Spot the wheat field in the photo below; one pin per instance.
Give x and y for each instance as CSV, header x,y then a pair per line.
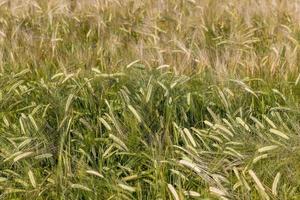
x,y
149,99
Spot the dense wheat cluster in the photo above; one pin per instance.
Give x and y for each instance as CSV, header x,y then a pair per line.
x,y
149,99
